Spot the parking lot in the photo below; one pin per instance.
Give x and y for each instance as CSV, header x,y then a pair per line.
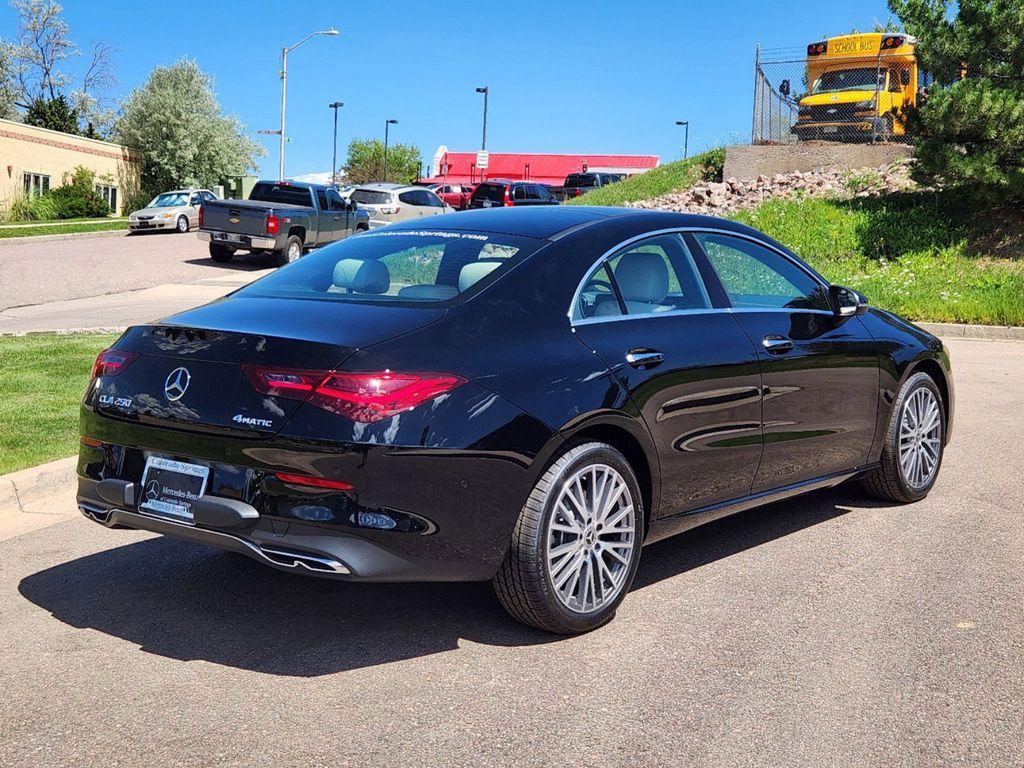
x,y
829,630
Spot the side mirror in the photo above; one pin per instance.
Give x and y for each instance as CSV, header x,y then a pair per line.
x,y
352,205
847,302
784,87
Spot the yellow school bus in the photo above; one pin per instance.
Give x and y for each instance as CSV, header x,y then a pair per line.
x,y
857,87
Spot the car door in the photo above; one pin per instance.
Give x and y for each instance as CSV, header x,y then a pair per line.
x,y
691,372
341,216
328,219
820,371
434,204
194,201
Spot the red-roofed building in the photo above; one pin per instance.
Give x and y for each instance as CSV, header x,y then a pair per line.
x,y
458,167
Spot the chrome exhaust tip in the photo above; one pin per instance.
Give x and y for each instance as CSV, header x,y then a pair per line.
x,y
95,512
315,563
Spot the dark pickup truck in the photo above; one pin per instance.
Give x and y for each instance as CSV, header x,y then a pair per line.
x,y
577,184
284,218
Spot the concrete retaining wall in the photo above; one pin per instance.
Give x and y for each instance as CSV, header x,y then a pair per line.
x,y
749,162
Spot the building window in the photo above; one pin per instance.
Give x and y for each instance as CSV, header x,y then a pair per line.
x,y
109,194
36,184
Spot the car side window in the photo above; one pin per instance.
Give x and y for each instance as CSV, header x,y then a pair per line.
x,y
433,200
409,198
321,199
652,276
757,277
334,201
519,193
195,200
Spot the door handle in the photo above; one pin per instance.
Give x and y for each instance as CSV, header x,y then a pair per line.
x,y
776,345
644,358
337,218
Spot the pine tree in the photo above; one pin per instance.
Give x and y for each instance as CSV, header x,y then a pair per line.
x,y
970,128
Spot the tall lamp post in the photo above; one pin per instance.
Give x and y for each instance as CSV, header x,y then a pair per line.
x,y
387,125
334,162
483,141
686,136
285,50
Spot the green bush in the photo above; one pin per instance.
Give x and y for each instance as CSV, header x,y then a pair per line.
x,y
77,199
76,203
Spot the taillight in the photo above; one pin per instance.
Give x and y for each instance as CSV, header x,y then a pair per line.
x,y
200,217
273,224
508,198
363,397
390,209
111,362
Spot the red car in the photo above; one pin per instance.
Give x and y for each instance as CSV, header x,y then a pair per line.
x,y
455,195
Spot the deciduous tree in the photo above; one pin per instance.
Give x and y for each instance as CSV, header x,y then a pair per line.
x,y
366,162
184,136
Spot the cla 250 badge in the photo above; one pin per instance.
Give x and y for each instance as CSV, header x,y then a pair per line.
x,y
251,422
117,402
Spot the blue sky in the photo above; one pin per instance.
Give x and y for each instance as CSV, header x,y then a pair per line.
x,y
566,76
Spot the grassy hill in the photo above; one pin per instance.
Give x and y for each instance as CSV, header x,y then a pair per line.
x,y
935,256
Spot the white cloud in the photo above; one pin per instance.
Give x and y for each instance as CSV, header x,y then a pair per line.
x,y
323,177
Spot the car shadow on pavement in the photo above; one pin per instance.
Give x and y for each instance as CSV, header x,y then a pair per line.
x,y
241,263
187,602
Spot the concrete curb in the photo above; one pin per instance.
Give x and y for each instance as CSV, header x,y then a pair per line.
x,y
66,236
957,331
32,490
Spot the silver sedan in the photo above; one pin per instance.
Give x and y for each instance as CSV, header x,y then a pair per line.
x,y
178,209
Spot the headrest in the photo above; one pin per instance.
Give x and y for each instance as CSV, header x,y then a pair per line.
x,y
642,276
362,275
476,271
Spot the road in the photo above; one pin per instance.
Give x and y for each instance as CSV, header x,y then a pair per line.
x,y
112,282
39,272
826,631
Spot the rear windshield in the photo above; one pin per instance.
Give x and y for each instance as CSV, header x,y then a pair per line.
x,y
274,193
383,266
581,180
371,197
495,192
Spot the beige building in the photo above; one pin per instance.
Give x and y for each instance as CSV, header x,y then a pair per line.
x,y
32,160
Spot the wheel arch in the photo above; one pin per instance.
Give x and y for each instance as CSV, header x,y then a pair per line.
x,y
299,232
938,374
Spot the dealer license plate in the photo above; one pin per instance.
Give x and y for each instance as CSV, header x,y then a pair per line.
x,y
170,488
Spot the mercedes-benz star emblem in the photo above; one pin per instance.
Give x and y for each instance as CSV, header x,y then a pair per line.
x,y
176,384
152,490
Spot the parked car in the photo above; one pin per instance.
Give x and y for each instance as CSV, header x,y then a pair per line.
x,y
454,399
498,193
387,203
577,184
177,209
455,195
284,218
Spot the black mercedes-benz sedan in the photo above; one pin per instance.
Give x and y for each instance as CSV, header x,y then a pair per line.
x,y
526,396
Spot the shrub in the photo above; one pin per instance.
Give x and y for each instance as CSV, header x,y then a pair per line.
x,y
78,197
38,208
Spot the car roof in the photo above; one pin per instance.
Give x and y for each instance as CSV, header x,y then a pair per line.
x,y
381,186
549,221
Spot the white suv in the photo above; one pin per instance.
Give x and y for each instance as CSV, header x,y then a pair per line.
x,y
388,203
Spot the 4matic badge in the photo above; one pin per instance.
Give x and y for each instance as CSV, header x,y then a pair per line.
x,y
251,422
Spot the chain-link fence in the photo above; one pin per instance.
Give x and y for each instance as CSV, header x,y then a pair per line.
x,y
798,97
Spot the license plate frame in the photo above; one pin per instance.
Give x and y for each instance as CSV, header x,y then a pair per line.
x,y
170,488
228,237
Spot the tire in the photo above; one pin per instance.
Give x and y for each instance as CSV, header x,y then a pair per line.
x,y
554,597
182,224
222,254
893,480
360,228
292,251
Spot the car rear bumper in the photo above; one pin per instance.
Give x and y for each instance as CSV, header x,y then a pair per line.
x,y
243,241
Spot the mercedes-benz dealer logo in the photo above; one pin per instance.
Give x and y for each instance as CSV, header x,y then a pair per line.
x,y
176,384
152,490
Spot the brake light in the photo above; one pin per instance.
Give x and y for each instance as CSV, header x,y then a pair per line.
x,y
508,198
201,216
390,209
363,397
111,362
273,224
313,482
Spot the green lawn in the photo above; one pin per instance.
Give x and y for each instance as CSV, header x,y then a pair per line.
x,y
62,229
925,255
42,378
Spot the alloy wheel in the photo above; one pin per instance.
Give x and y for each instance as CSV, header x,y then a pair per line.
x,y
294,251
591,538
920,438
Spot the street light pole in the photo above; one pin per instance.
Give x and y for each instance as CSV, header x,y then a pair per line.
x,y
334,162
686,136
285,50
484,90
387,125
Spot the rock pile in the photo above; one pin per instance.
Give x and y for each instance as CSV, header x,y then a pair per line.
x,y
725,197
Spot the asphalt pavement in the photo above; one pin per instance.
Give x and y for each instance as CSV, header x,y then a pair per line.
x,y
831,630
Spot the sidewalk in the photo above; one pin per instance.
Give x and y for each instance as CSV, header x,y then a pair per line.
x,y
118,310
